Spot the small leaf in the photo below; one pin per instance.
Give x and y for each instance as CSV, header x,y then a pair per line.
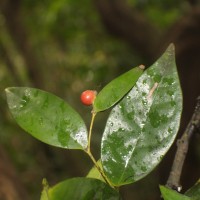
x,y
47,117
81,189
94,172
169,194
194,191
143,125
116,89
45,189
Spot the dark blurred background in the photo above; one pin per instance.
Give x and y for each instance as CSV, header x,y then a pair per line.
x,y
67,46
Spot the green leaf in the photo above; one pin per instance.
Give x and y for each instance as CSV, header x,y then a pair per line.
x,y
94,172
47,117
116,89
169,194
194,191
80,189
143,126
45,195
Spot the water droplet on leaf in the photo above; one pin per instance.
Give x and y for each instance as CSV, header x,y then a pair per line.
x,y
41,121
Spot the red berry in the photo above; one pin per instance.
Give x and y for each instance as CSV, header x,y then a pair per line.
x,y
88,96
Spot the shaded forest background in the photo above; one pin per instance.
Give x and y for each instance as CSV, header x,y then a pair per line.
x,y
67,46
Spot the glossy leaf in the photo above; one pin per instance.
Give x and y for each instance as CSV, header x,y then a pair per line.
x,y
194,191
116,89
94,172
143,126
80,189
47,117
169,194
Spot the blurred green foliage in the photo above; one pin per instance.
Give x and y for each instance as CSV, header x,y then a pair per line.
x,y
161,13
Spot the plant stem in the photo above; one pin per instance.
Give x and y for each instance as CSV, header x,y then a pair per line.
x,y
90,131
173,181
100,170
88,151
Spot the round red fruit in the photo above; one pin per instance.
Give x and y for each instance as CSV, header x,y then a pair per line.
x,y
88,96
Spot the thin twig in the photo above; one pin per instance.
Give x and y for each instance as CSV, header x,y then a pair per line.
x,y
90,131
100,170
173,181
88,151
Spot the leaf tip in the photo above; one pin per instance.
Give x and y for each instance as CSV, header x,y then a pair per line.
x,y
171,47
9,89
142,67
45,182
161,187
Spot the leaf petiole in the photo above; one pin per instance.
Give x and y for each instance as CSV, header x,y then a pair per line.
x,y
90,131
